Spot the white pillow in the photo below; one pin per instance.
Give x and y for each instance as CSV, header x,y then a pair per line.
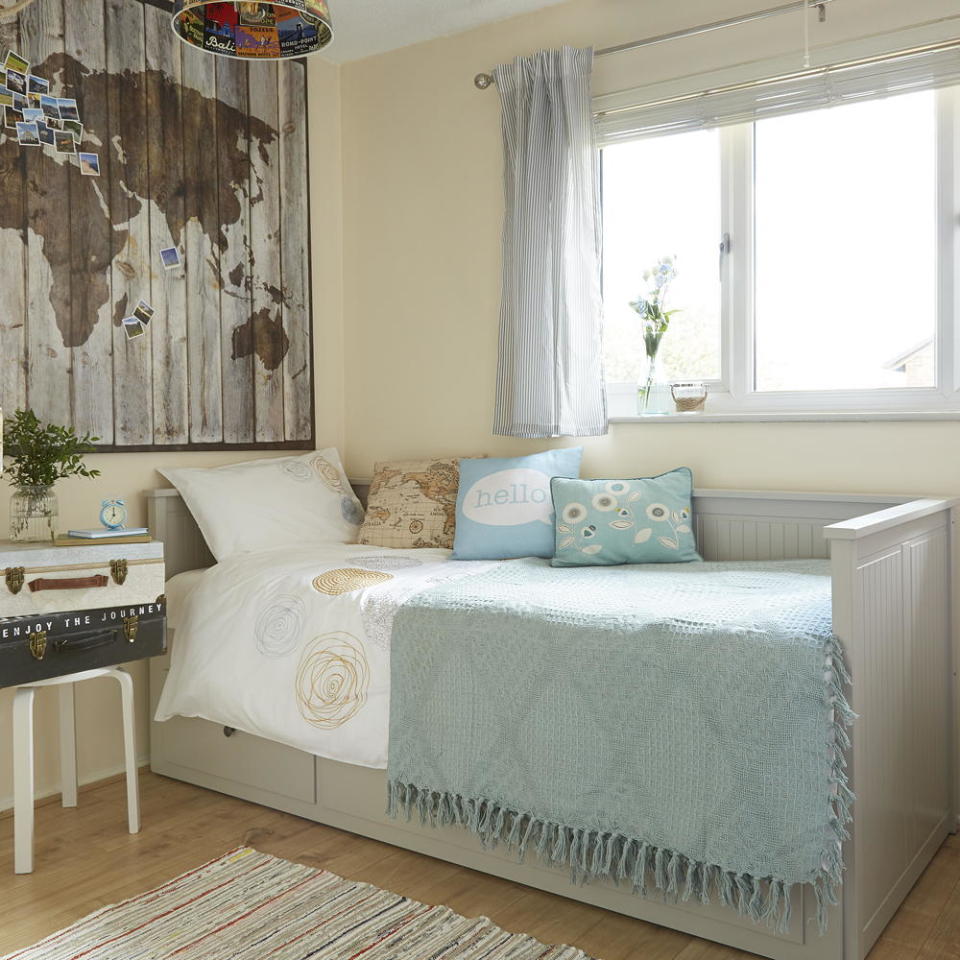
x,y
260,504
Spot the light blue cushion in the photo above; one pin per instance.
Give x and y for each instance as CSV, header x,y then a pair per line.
x,y
649,520
504,507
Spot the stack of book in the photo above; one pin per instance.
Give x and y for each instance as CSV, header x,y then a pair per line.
x,y
73,538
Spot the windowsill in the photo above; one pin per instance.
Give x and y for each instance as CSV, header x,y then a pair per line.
x,y
779,416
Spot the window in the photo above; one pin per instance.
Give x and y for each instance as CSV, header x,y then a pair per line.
x,y
814,255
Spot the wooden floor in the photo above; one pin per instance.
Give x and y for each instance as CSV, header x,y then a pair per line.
x,y
85,859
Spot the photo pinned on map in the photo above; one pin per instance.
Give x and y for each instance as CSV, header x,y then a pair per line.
x,y
27,134
89,164
37,86
17,82
46,133
15,62
50,107
64,142
132,327
144,312
74,127
170,258
68,109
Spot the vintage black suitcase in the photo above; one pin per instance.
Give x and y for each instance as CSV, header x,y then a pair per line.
x,y
49,645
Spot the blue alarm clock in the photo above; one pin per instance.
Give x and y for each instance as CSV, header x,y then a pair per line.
x,y
113,514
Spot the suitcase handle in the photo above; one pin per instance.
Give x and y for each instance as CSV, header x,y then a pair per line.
x,y
79,583
87,642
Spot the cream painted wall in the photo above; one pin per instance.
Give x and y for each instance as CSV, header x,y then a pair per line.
x,y
423,208
131,474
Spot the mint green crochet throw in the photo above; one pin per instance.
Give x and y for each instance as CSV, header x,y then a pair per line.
x,y
678,727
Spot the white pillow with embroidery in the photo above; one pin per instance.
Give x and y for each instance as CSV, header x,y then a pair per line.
x,y
261,504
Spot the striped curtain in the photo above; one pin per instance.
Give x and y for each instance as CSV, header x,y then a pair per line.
x,y
549,372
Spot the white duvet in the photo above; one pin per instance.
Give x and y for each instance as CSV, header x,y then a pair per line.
x,y
294,644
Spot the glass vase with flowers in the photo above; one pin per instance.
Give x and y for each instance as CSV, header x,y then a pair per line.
x,y
654,318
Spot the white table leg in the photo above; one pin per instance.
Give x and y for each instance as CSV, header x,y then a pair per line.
x,y
68,746
129,748
23,780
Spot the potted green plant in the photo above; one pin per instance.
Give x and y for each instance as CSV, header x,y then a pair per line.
x,y
39,455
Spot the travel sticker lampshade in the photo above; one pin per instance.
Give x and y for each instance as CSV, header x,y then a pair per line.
x,y
254,31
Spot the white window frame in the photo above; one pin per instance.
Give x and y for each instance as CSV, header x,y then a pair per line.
x,y
733,397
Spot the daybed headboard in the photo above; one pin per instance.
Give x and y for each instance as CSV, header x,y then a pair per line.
x,y
730,524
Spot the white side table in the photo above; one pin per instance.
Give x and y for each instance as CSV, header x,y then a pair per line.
x,y
23,787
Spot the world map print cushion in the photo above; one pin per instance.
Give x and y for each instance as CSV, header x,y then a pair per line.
x,y
412,503
606,522
504,508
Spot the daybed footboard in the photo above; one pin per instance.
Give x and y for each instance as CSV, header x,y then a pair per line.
x,y
892,610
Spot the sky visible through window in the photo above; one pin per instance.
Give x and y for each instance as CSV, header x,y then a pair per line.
x,y
845,216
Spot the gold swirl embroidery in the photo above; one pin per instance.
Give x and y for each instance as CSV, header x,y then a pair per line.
x,y
332,680
329,474
346,580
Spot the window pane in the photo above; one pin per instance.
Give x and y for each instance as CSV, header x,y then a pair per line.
x,y
661,197
846,247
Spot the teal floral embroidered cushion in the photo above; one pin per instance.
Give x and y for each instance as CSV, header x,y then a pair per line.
x,y
648,520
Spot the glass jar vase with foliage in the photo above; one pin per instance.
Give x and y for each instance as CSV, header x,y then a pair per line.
x,y
654,318
38,456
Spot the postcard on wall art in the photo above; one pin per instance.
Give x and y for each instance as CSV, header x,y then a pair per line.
x,y
28,135
46,134
20,102
64,142
50,107
17,82
6,97
11,117
74,127
68,110
132,327
89,164
15,62
170,258
33,115
144,311
37,85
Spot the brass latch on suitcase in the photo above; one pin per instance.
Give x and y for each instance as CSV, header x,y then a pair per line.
x,y
130,626
14,578
118,570
38,644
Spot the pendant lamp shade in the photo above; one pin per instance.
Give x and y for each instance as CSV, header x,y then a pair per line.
x,y
254,31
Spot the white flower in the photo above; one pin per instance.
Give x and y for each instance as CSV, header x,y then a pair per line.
x,y
618,486
657,511
605,502
574,513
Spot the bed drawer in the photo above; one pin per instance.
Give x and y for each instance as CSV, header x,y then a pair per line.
x,y
238,759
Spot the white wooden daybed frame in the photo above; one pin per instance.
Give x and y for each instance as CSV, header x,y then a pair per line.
x,y
891,568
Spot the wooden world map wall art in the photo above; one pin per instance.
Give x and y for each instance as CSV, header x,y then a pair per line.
x,y
201,153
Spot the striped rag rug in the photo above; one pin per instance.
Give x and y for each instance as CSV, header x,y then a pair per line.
x,y
250,906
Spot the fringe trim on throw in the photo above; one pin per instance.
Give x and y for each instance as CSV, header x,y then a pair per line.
x,y
592,854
